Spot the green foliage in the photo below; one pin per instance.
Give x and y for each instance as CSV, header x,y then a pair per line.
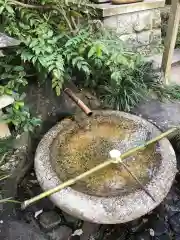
x,y
13,77
6,145
43,31
171,92
13,80
55,43
120,78
21,118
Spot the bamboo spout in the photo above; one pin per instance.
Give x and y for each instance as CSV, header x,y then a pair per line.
x,y
78,101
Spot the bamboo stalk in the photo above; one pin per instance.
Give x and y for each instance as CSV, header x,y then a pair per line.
x,y
95,169
141,147
65,184
137,180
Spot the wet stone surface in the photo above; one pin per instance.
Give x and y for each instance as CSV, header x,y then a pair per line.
x,y
43,221
60,233
49,220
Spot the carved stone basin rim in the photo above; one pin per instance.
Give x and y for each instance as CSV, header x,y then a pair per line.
x,y
106,210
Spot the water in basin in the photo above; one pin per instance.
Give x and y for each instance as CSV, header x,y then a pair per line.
x,y
85,146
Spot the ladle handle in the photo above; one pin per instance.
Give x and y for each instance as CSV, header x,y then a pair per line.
x,y
78,101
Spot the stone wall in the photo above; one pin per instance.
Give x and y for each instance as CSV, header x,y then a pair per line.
x,y
138,24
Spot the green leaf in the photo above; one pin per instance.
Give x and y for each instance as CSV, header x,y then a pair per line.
x,y
20,103
16,106
54,83
50,34
58,90
10,9
75,13
91,52
26,56
1,9
99,50
18,68
76,60
86,69
56,73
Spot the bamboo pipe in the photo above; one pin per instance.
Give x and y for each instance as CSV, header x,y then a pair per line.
x,y
72,181
78,101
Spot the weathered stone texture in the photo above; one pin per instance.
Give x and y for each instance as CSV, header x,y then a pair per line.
x,y
140,28
110,22
143,21
6,41
156,18
155,36
124,24
143,38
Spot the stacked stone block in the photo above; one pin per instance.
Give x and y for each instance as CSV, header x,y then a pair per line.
x,y
138,23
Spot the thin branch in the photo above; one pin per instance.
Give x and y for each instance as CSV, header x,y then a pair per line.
x,y
45,7
74,23
67,20
14,2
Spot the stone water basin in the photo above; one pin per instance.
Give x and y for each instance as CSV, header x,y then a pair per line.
x,y
111,195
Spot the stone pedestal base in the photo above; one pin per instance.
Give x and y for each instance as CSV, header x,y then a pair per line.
x,y
138,24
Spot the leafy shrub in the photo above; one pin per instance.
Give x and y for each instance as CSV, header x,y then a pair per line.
x,y
43,31
56,43
120,77
21,118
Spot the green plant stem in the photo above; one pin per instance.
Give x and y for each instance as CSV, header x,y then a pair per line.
x,y
46,7
4,177
9,199
67,20
14,2
141,147
65,184
93,170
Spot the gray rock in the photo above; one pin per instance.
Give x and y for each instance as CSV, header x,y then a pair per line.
x,y
137,225
163,114
76,237
70,220
177,237
143,236
114,232
61,233
6,41
172,209
16,230
89,229
175,223
51,108
22,141
13,160
159,227
164,237
49,220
